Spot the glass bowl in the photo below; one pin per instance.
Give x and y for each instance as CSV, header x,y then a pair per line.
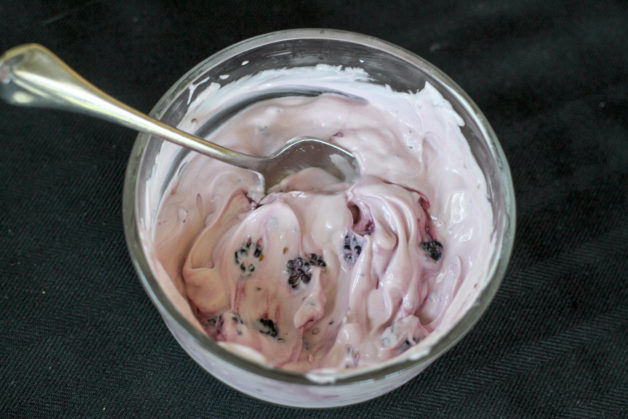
x,y
153,163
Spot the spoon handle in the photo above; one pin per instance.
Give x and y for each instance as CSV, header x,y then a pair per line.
x,y
31,75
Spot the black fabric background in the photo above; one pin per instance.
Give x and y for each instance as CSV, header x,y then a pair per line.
x,y
80,337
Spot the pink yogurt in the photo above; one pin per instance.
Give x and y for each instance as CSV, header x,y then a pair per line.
x,y
320,275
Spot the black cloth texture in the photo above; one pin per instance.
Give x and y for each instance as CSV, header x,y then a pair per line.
x,y
80,337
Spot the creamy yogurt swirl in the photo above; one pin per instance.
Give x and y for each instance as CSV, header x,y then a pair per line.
x,y
318,273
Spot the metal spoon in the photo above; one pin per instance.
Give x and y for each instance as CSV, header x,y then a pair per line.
x,y
31,75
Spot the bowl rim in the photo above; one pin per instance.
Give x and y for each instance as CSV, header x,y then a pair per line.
x,y
167,309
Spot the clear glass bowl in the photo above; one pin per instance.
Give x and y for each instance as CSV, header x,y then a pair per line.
x,y
145,184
